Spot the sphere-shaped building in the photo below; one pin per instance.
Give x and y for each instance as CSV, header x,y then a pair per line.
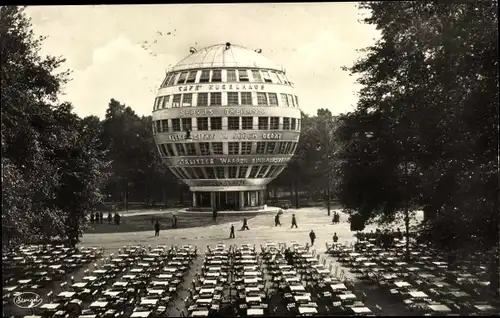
x,y
226,121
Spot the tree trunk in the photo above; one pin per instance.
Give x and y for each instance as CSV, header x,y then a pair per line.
x,y
296,194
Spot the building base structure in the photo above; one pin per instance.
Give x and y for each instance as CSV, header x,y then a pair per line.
x,y
228,200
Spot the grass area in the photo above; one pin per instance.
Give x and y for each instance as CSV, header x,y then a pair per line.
x,y
143,222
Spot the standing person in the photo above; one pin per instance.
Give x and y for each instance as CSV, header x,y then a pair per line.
x,y
312,236
335,238
214,215
117,218
92,218
101,217
174,221
157,228
294,222
110,218
245,225
277,219
231,234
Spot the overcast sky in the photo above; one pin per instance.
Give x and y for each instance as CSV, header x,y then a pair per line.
x,y
102,45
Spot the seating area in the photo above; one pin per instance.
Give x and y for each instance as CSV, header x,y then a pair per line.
x,y
423,284
241,280
37,268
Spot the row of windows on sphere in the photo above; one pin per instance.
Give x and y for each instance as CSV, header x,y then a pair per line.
x,y
225,99
233,123
233,148
225,76
238,172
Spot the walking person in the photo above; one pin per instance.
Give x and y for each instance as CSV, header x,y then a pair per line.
x,y
174,221
294,222
117,218
312,236
335,238
245,225
231,234
157,228
214,215
110,218
92,218
101,217
277,219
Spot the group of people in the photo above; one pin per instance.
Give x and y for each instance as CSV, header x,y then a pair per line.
x,y
277,220
382,239
336,218
157,224
98,218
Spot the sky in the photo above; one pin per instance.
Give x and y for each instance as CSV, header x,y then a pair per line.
x,y
104,47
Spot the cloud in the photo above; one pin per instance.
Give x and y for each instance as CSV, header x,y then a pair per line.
x,y
121,70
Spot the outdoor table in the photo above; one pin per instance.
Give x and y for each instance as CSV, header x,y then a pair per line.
x,y
346,296
214,268
298,288
288,273
137,314
255,312
165,276
292,279
251,274
368,264
439,308
311,260
209,282
120,284
24,281
50,306
136,270
361,310
484,307
307,310
99,304
402,284
41,273
256,299
418,294
199,313
55,266
307,255
459,294
66,294
100,271
112,293
90,278
170,269
323,271
284,267
160,283
79,285
204,300
156,291
250,281
302,298
340,286
147,301
127,277
252,289
10,288
212,274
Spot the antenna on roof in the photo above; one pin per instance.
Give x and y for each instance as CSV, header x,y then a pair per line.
x,y
192,50
228,45
258,50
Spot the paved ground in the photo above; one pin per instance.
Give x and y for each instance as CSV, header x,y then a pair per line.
x,y
262,230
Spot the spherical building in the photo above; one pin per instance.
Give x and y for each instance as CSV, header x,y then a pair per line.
x,y
226,122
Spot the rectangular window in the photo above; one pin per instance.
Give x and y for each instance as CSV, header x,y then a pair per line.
x,y
158,124
233,148
246,98
233,123
186,124
215,99
182,78
289,146
165,101
243,172
232,172
220,173
262,171
286,123
293,123
170,150
247,123
271,171
243,75
171,80
273,99
187,100
216,123
275,123
204,148
199,173
296,101
205,76
176,102
261,99
202,123
217,148
180,149
253,172
256,76
270,147
231,76
282,147
216,76
274,77
176,124
246,148
190,149
210,172
290,97
164,125
191,77
261,147
232,98
202,99
266,76
282,78
263,123
297,127
158,102
284,100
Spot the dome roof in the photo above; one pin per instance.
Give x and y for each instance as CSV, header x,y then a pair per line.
x,y
220,56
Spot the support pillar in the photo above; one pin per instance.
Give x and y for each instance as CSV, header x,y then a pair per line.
x,y
242,199
194,200
212,200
